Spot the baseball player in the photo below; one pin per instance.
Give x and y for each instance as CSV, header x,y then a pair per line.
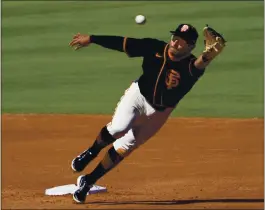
x,y
170,71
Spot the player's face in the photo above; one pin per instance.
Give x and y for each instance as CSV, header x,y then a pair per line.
x,y
179,47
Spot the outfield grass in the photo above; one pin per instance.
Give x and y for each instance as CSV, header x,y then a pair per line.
x,y
42,74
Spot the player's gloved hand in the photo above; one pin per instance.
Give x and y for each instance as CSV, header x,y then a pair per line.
x,y
214,43
80,41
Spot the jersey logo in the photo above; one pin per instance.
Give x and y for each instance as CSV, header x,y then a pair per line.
x,y
172,79
184,28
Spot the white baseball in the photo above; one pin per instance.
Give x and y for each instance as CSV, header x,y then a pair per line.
x,y
140,19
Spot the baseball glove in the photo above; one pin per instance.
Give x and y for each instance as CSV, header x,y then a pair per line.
x,y
214,43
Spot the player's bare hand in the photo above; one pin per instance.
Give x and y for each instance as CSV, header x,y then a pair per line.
x,y
79,41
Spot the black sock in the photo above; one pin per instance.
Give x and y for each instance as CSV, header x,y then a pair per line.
x,y
98,172
104,139
96,148
110,160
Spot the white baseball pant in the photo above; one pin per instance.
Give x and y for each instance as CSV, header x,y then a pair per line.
x,y
135,120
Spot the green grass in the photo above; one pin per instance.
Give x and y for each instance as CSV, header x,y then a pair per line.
x,y
42,74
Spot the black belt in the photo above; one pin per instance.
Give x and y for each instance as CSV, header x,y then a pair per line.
x,y
159,108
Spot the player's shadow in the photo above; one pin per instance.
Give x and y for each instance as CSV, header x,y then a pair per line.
x,y
179,202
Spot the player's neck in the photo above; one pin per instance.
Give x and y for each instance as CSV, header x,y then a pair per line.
x,y
177,58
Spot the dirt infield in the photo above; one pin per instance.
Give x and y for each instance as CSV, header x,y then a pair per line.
x,y
192,163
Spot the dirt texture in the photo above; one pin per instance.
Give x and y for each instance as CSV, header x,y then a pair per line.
x,y
192,163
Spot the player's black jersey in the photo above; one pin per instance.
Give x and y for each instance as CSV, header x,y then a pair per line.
x,y
164,82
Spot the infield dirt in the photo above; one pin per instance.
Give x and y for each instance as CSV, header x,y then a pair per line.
x,y
192,163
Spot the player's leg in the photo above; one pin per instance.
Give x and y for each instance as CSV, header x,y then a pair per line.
x,y
125,113
143,130
111,159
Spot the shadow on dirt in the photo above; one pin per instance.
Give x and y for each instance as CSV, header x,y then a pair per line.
x,y
179,202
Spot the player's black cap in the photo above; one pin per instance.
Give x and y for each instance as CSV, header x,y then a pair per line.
x,y
186,32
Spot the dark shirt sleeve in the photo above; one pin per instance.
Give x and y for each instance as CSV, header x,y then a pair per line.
x,y
110,42
139,47
195,72
133,47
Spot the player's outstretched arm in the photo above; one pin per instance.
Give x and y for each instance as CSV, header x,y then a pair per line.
x,y
131,46
111,42
214,45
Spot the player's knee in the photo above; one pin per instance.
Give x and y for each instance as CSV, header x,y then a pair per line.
x,y
123,149
121,152
117,131
106,136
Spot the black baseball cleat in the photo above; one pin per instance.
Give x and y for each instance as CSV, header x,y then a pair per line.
x,y
84,186
82,160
